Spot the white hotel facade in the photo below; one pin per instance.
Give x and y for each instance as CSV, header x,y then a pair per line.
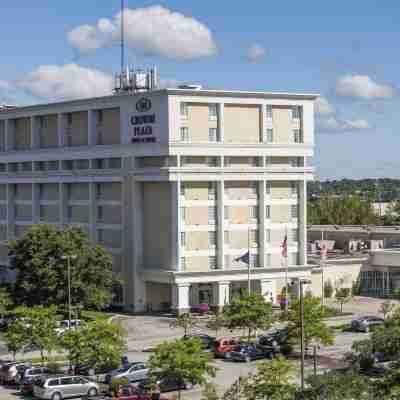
x,y
172,182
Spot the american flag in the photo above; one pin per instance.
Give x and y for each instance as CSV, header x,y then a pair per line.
x,y
245,258
284,246
324,251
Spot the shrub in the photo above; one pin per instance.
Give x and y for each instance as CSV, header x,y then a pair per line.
x,y
328,289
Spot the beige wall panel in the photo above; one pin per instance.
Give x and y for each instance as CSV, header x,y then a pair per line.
x,y
239,215
78,191
3,212
22,134
238,240
23,191
78,214
109,191
110,238
49,191
242,123
194,264
3,232
48,136
196,216
198,123
283,128
196,190
79,129
239,191
157,240
110,130
197,241
109,215
49,213
280,213
280,190
157,294
3,192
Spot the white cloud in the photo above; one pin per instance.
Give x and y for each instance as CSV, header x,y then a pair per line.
x,y
153,30
323,107
255,52
4,85
362,86
334,124
61,82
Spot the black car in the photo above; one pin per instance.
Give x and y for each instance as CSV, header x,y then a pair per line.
x,y
207,340
167,384
275,338
250,352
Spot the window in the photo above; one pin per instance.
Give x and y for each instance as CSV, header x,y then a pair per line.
x,y
211,190
182,190
212,262
297,136
268,235
69,119
68,164
100,117
254,189
184,109
267,212
114,163
254,212
183,214
184,133
226,212
293,189
66,381
52,165
254,238
268,188
296,112
212,239
212,112
53,382
212,215
295,235
81,164
42,122
183,239
268,111
212,135
253,161
294,211
183,263
226,237
254,260
269,135
212,161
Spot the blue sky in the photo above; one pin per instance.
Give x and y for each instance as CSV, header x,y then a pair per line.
x,y
344,50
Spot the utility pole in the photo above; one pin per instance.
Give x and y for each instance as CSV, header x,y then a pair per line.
x,y
248,264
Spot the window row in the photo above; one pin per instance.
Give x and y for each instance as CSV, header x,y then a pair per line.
x,y
297,136
212,111
295,112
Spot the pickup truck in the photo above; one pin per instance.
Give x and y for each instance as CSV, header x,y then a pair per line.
x,y
126,392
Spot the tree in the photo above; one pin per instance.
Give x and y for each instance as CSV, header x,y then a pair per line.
x,y
5,301
315,329
16,337
209,392
342,296
97,345
386,308
185,321
183,360
42,273
273,381
328,289
41,324
216,323
251,312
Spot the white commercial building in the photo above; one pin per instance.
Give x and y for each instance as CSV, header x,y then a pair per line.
x,y
177,184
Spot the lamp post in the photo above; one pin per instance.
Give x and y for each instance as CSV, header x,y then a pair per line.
x,y
69,258
301,283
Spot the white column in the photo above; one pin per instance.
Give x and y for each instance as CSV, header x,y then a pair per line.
x,y
176,225
221,122
268,289
92,125
180,297
221,224
302,222
261,223
61,129
34,133
221,294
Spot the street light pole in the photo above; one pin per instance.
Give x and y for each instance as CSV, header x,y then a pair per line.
x,y
302,335
68,258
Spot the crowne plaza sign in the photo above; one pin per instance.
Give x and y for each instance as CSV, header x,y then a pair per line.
x,y
142,124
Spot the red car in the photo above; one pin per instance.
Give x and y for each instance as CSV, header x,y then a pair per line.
x,y
223,347
129,392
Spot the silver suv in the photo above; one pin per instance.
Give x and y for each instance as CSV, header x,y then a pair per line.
x,y
62,387
133,372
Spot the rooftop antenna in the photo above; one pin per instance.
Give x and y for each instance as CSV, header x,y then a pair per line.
x,y
122,36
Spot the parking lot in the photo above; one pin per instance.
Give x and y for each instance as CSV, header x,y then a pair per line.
x,y
145,332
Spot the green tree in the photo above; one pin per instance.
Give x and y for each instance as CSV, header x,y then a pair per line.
x,y
273,381
16,337
98,344
185,321
250,312
328,289
216,323
42,273
315,329
209,392
342,296
386,308
183,360
41,325
5,301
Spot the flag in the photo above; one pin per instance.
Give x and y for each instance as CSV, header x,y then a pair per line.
x,y
284,247
245,258
324,251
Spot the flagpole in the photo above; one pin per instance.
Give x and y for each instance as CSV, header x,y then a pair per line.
x,y
286,272
248,264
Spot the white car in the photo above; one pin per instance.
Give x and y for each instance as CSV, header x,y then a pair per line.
x,y
64,325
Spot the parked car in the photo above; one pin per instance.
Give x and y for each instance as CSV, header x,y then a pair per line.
x,y
64,325
223,347
207,340
366,323
136,371
250,352
127,392
274,338
167,384
62,387
12,373
29,376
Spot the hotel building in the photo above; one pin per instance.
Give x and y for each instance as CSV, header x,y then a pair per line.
x,y
177,184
